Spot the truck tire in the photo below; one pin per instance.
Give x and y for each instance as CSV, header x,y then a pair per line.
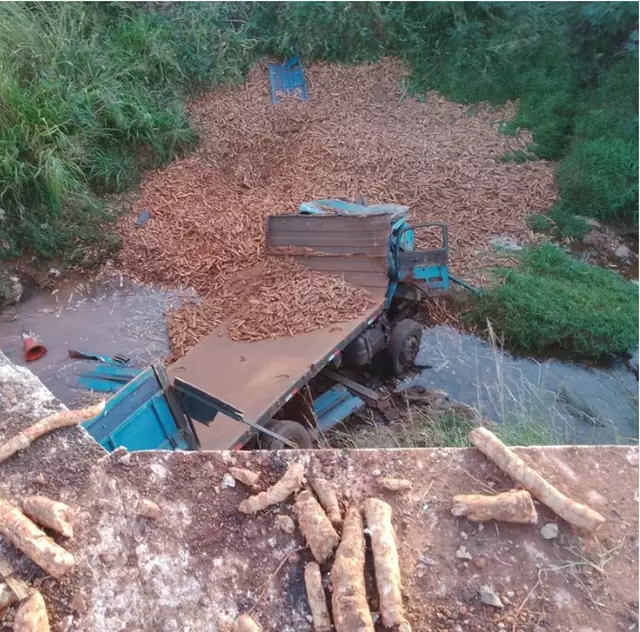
x,y
403,346
291,430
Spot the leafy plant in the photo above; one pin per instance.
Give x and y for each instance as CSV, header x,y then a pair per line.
x,y
554,303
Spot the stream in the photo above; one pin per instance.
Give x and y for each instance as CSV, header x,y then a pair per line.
x,y
575,403
109,317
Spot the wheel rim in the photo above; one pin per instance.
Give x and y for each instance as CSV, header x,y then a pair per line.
x,y
409,351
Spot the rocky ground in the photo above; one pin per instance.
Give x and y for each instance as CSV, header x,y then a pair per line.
x,y
199,562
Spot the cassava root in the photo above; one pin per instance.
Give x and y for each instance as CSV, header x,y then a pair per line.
x,y
386,565
350,608
246,477
508,507
289,483
32,615
317,598
49,513
244,623
508,461
48,424
26,536
316,527
328,499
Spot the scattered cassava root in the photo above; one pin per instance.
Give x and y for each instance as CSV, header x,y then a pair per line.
x,y
508,507
316,597
328,499
244,623
288,484
574,513
32,615
395,484
48,424
246,477
316,527
26,536
7,596
386,565
49,513
17,588
350,608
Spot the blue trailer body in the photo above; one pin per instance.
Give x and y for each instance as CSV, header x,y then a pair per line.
x,y
141,416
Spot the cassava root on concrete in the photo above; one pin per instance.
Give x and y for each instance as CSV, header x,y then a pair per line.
x,y
48,424
7,596
244,623
289,483
514,506
246,477
32,615
317,598
316,527
49,513
508,461
26,536
328,499
350,608
385,561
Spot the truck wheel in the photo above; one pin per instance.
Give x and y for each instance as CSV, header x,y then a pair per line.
x,y
291,430
403,346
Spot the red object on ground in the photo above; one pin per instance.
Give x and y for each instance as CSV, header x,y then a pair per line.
x,y
33,350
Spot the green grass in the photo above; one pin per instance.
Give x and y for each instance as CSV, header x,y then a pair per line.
x,y
93,94
426,429
90,95
551,303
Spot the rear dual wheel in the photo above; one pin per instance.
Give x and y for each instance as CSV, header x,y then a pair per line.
x,y
403,346
292,430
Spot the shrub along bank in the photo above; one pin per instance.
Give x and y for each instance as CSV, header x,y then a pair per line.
x,y
91,94
552,303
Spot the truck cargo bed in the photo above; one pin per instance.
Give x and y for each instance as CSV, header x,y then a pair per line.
x,y
258,377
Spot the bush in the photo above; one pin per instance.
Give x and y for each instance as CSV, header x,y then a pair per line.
x,y
553,303
559,224
92,94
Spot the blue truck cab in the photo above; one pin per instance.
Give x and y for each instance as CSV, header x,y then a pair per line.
x,y
151,413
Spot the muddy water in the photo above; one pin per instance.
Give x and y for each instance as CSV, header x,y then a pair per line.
x,y
576,403
116,316
580,405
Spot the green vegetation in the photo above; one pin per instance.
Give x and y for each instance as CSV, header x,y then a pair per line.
x,y
91,94
552,303
425,429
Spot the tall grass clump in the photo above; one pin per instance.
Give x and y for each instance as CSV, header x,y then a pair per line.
x,y
420,428
552,303
90,95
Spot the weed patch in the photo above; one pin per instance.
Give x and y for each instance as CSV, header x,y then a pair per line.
x,y
427,429
553,303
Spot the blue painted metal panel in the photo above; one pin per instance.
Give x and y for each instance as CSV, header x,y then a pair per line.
x,y
287,78
436,276
334,406
138,417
